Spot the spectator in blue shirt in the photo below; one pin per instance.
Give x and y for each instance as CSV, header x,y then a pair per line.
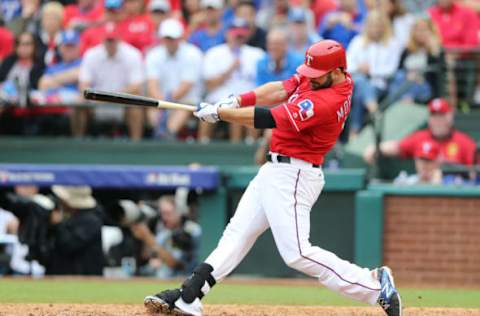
x,y
279,63
59,84
301,36
213,33
343,23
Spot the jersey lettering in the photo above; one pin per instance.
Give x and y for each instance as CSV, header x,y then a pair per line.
x,y
342,113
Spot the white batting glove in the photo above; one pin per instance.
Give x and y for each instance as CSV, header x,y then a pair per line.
x,y
207,112
230,103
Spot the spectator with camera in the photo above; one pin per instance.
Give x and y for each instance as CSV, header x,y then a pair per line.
x,y
174,246
75,237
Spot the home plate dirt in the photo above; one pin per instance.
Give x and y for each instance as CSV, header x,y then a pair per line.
x,y
216,310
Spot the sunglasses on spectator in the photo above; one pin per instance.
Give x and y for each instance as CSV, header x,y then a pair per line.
x,y
158,11
25,43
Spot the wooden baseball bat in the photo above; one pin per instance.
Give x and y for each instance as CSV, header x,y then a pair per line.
x,y
131,99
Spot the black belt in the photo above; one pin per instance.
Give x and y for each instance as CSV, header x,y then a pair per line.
x,y
285,159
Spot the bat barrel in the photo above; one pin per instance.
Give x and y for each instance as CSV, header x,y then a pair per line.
x,y
116,97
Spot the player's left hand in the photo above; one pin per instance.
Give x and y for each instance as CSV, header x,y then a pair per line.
x,y
231,102
207,112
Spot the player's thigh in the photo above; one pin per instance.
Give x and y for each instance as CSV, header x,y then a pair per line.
x,y
288,213
249,217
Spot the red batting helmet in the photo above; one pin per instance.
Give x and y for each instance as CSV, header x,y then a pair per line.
x,y
321,58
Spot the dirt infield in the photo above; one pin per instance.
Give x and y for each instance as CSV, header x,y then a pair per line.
x,y
217,310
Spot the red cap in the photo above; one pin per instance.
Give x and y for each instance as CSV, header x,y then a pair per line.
x,y
323,57
427,150
439,105
111,31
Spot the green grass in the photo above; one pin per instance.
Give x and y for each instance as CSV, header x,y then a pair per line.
x,y
132,292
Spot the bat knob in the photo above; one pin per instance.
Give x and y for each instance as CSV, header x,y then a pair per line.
x,y
89,94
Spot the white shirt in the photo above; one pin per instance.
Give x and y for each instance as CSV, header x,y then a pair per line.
x,y
217,61
402,26
382,59
112,74
170,71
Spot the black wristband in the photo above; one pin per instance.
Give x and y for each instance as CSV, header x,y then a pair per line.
x,y
263,118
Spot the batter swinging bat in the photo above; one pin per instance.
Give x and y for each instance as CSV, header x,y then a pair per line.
x,y
131,99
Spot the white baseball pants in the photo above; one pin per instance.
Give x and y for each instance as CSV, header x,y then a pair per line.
x,y
280,197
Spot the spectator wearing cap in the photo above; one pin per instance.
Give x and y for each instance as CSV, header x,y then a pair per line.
x,y
50,33
94,35
230,68
28,19
301,37
427,166
213,33
246,10
83,14
455,147
173,74
279,63
136,28
116,66
158,11
59,83
458,25
343,23
75,233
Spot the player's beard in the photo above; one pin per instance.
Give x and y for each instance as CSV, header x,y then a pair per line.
x,y
327,84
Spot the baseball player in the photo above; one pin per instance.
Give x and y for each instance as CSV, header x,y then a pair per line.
x,y
314,105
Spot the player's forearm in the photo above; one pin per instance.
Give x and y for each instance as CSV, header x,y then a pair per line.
x,y
271,93
243,116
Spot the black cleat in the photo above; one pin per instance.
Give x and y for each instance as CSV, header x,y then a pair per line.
x,y
163,303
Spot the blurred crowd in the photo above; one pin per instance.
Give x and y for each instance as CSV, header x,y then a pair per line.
x,y
67,231
192,50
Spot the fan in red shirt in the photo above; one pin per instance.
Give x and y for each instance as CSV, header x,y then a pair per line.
x,y
458,24
83,15
6,42
95,35
455,147
137,28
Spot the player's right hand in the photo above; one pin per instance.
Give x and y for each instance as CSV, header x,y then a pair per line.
x,y
230,103
207,112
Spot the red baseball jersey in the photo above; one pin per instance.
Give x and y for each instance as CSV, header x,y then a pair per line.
x,y
309,123
458,148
